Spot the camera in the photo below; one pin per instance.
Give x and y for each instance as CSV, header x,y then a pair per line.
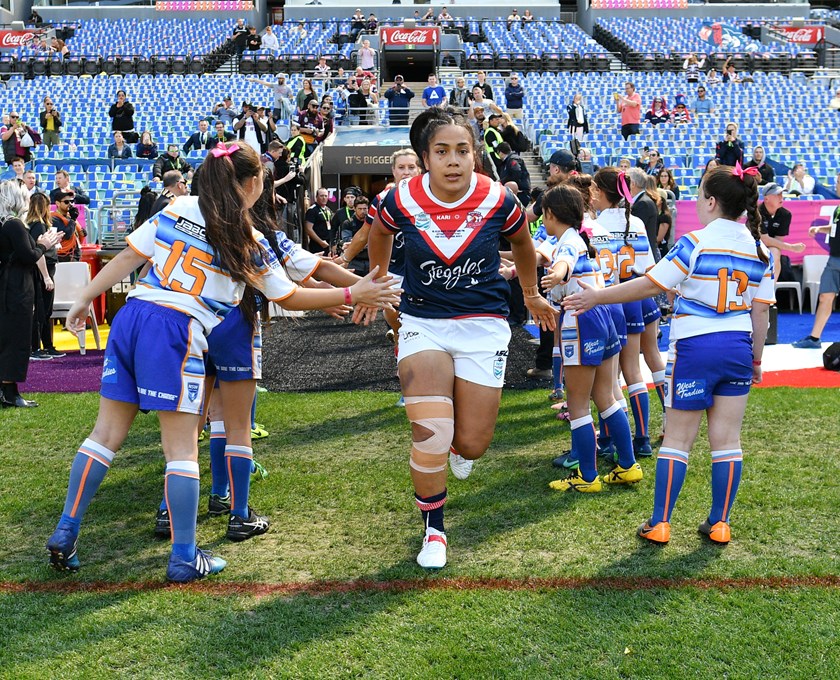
x,y
73,211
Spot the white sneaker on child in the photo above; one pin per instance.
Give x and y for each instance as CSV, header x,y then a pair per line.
x,y
433,553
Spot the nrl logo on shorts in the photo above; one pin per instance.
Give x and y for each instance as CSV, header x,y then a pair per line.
x,y
192,390
568,350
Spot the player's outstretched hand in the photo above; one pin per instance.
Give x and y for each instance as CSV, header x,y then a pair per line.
x,y
382,293
542,312
551,279
578,303
77,317
338,312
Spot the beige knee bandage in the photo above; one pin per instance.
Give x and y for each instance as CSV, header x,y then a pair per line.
x,y
437,415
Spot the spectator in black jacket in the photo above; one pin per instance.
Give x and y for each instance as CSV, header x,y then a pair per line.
x,y
578,121
730,149
359,264
63,186
201,140
514,94
174,185
122,114
239,35
759,160
253,41
513,174
644,207
171,160
50,124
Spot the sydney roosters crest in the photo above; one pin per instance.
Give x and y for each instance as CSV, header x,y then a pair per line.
x,y
474,220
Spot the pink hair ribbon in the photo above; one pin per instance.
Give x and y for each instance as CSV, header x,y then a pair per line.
x,y
739,172
222,149
623,187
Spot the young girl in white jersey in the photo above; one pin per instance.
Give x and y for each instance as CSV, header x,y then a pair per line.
x,y
724,290
203,252
453,337
588,344
609,188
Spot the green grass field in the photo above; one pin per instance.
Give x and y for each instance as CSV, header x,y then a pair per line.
x,y
766,606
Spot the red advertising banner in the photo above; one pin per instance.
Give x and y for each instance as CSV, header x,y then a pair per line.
x,y
10,40
427,35
806,35
805,214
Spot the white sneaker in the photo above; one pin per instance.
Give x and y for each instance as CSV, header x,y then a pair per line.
x,y
433,553
460,466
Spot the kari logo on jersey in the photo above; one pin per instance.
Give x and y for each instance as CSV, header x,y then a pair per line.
x,y
690,389
109,373
451,276
192,391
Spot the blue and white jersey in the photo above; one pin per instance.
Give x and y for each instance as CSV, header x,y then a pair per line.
x,y
571,249
186,274
632,258
718,275
397,263
452,249
300,264
605,249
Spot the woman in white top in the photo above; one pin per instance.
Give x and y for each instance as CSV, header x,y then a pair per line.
x,y
799,181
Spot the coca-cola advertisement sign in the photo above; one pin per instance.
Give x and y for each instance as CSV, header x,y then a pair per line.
x,y
427,35
10,40
805,35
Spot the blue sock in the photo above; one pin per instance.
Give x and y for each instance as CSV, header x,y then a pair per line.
x,y
726,476
671,466
181,489
163,505
254,412
583,445
659,384
557,368
239,459
604,438
640,405
86,474
218,471
615,420
431,508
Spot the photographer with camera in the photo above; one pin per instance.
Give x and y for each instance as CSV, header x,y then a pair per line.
x,y
399,99
730,149
64,219
18,139
251,127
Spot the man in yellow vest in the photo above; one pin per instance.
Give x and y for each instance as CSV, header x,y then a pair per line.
x,y
492,139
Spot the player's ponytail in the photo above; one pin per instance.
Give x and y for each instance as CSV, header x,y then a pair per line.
x,y
736,191
566,205
222,201
613,184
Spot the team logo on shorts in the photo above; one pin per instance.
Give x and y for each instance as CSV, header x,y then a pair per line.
x,y
109,373
569,350
499,364
665,389
690,389
593,347
192,390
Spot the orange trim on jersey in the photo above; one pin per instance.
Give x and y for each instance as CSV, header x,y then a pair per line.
x,y
309,275
656,283
297,288
766,302
143,255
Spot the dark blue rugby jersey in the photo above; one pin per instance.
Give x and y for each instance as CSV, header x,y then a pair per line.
x,y
452,250
397,263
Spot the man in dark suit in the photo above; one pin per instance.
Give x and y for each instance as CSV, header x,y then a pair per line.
x,y
644,207
201,140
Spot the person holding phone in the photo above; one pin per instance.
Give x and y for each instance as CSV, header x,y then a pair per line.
x,y
730,150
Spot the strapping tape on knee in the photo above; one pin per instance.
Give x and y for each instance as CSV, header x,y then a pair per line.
x,y
437,415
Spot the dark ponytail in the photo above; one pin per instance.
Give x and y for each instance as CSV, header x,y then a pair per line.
x,y
228,225
736,195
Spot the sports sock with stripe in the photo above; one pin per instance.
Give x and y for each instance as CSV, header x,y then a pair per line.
x,y
659,384
557,368
726,476
431,508
86,474
671,466
583,444
614,420
640,405
239,460
181,487
218,470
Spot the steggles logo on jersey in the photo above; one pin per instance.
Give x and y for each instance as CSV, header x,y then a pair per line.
x,y
450,276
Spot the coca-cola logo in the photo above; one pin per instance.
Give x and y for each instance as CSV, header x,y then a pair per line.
x,y
15,38
807,35
418,36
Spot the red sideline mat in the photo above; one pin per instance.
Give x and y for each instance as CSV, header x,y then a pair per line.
x,y
801,377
